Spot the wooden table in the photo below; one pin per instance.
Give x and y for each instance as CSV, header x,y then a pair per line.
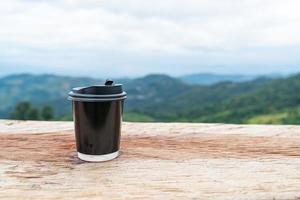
x,y
158,161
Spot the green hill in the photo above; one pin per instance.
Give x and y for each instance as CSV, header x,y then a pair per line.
x,y
40,90
210,79
164,98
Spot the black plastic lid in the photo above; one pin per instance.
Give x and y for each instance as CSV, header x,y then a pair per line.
x,y
107,92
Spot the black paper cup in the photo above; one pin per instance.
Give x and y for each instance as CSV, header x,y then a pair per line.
x,y
97,115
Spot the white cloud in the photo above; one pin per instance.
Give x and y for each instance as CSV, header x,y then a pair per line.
x,y
42,32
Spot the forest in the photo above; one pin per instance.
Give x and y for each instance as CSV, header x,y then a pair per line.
x,y
157,97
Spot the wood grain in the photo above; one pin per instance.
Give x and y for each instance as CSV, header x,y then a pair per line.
x,y
158,161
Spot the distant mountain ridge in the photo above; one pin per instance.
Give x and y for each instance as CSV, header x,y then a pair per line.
x,y
210,79
160,97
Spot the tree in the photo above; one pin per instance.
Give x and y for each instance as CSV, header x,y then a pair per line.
x,y
21,111
47,113
33,114
25,111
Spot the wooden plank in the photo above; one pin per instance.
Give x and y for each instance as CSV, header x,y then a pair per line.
x,y
158,161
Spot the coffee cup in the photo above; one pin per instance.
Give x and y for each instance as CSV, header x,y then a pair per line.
x,y
97,115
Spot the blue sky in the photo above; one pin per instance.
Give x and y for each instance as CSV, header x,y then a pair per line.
x,y
135,37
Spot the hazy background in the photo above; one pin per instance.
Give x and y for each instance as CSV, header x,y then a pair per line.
x,y
104,38
222,61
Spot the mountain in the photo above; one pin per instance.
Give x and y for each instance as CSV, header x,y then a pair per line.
x,y
163,98
40,90
278,100
152,89
52,90
210,79
259,101
198,101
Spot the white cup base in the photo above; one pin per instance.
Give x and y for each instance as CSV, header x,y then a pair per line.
x,y
97,158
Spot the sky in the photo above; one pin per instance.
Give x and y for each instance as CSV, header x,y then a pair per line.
x,y
110,38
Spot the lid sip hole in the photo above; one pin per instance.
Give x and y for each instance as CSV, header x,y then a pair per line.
x,y
109,82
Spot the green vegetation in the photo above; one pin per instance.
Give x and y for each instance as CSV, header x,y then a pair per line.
x,y
47,113
276,118
137,117
161,98
289,117
25,111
